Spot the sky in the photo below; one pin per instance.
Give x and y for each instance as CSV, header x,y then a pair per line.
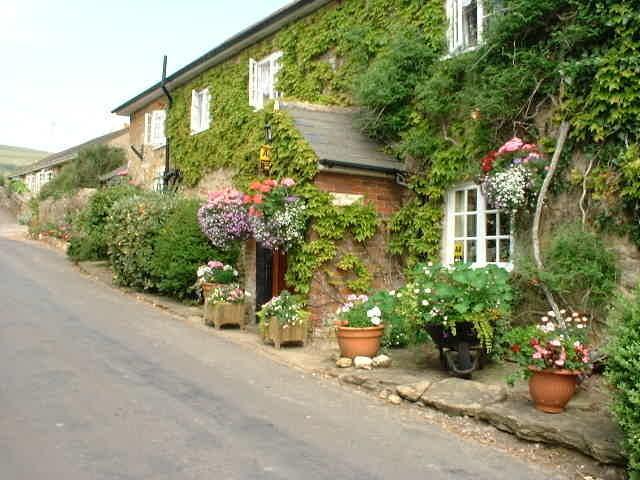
x,y
65,64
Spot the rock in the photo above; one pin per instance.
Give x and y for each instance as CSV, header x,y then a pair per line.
x,y
353,379
462,397
384,394
344,362
413,391
364,363
591,432
382,361
395,399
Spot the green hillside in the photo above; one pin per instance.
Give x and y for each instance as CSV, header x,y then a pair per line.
x,y
11,158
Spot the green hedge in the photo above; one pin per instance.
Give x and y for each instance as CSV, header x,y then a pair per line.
x,y
623,371
132,227
180,248
88,240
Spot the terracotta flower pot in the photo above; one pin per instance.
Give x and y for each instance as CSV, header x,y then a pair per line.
x,y
207,288
551,389
359,342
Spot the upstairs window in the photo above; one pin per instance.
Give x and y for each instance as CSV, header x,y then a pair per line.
x,y
262,80
200,117
466,21
476,233
154,128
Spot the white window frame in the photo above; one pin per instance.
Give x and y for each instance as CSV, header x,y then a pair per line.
x,y
263,76
200,110
481,238
457,38
154,128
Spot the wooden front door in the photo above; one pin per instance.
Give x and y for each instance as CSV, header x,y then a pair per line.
x,y
270,271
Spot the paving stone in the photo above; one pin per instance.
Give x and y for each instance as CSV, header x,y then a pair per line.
x,y
593,434
353,379
413,391
462,397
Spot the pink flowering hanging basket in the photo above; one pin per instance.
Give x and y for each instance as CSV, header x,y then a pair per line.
x,y
552,388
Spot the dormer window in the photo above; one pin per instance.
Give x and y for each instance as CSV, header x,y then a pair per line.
x,y
262,80
466,20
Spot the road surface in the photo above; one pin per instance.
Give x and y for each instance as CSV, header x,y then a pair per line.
x,y
94,385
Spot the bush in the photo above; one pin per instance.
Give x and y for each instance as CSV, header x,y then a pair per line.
x,y
623,371
17,186
180,248
88,241
579,267
133,225
84,171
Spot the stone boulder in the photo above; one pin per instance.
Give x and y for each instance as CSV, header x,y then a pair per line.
x,y
462,397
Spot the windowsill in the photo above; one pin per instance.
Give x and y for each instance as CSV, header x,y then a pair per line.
x,y
158,146
196,132
459,51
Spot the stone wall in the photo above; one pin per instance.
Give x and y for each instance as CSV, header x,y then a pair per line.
x,y
144,172
57,211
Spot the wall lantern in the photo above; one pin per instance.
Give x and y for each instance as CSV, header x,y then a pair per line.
x,y
265,150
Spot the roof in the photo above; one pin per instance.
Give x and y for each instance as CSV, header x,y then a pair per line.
x,y
68,154
247,37
334,137
121,171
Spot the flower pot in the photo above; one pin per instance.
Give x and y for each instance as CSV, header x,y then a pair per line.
x,y
207,288
219,314
279,334
359,342
551,389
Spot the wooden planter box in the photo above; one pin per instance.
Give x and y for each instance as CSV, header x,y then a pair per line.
x,y
286,333
220,314
207,288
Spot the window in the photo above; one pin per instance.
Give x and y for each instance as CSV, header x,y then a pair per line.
x,y
154,128
200,118
262,80
466,21
476,232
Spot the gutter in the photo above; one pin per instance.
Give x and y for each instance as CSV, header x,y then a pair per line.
x,y
359,166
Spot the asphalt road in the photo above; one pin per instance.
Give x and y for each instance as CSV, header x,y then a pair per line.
x,y
94,385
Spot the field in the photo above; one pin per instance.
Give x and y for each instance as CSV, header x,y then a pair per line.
x,y
12,158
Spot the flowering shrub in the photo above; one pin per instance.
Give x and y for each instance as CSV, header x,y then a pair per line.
x,y
278,217
451,295
227,294
551,344
359,311
224,218
216,272
286,309
512,174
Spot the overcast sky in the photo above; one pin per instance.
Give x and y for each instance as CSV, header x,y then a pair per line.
x,y
65,64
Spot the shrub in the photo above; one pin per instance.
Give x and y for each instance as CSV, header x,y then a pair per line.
x,y
88,241
84,171
180,248
580,268
17,186
623,371
3,180
132,227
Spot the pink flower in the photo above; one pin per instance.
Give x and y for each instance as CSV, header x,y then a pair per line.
x,y
559,363
537,356
270,182
512,145
287,182
215,264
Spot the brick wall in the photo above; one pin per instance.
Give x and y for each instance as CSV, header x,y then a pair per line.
x,y
144,172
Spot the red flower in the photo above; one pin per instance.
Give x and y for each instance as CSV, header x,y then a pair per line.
x,y
257,198
515,348
488,161
255,185
247,199
270,182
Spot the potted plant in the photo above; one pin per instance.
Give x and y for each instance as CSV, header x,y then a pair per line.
x,y
225,218
224,305
552,356
278,216
213,275
462,309
359,327
283,319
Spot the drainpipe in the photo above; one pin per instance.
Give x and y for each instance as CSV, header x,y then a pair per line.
x,y
167,143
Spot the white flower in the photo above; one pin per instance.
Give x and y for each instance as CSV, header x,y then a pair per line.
x,y
551,313
430,264
575,314
235,273
580,325
425,303
545,319
427,291
376,321
416,290
374,312
392,293
399,295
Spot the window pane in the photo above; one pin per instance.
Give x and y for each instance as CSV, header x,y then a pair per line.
x,y
459,228
471,225
471,251
505,250
472,200
458,251
459,201
505,224
491,224
492,254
